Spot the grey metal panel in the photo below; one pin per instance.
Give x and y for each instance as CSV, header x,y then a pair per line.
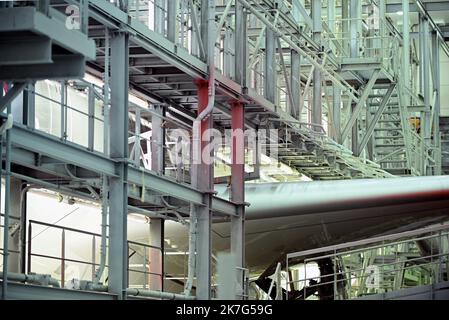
x,y
62,67
30,51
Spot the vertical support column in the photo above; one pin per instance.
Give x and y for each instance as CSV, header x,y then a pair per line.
x,y
382,28
157,140
368,119
156,255
270,80
355,10
355,132
172,15
157,225
295,80
345,24
331,15
317,28
241,54
336,111
118,249
425,116
238,193
421,47
159,16
29,106
296,68
63,110
15,238
437,105
203,180
91,122
7,212
405,44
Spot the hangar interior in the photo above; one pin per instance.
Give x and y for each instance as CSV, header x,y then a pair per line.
x,y
230,149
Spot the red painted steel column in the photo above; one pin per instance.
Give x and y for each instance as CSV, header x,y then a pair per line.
x,y
202,179
238,192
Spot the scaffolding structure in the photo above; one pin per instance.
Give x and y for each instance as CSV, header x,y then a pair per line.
x,y
348,94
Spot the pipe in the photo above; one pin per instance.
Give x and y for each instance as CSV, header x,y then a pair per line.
x,y
104,226
192,252
40,279
203,115
95,195
300,198
157,294
197,145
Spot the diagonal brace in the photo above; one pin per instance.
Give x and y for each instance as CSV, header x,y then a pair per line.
x,y
360,103
376,118
11,95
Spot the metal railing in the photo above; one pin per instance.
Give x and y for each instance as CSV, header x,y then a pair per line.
x,y
371,266
73,260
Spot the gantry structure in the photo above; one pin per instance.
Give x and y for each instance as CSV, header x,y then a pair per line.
x,y
348,93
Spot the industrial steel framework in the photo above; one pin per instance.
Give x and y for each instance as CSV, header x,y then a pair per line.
x,y
326,75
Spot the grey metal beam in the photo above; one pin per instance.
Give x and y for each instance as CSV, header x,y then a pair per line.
x,y
91,120
33,143
376,118
317,91
429,6
238,194
202,167
172,15
28,115
157,225
295,80
62,67
425,115
437,104
270,75
118,251
28,19
159,16
355,12
336,112
20,51
241,54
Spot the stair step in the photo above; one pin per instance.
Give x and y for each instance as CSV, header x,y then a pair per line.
x,y
388,129
398,171
387,112
390,145
388,137
392,161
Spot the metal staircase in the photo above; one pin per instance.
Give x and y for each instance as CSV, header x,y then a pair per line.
x,y
389,143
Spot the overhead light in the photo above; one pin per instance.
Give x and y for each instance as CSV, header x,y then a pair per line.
x,y
400,13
